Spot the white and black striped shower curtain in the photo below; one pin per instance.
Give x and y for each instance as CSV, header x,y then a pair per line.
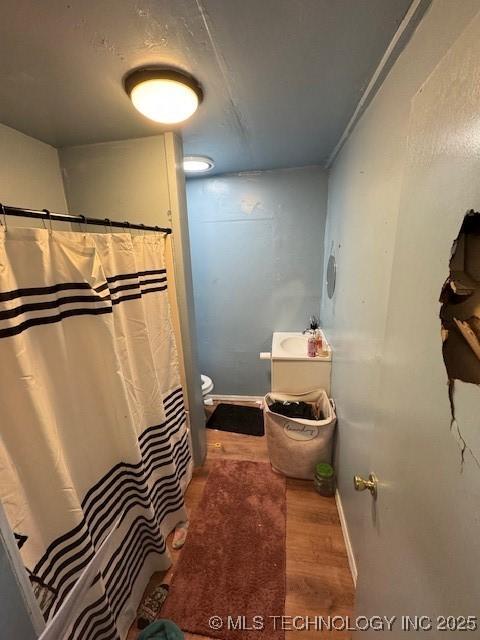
x,y
94,452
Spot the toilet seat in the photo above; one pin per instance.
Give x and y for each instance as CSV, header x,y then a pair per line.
x,y
207,384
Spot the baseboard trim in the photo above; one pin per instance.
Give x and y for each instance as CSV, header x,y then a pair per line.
x,y
346,536
227,398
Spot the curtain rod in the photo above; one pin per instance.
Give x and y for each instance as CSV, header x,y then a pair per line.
x,y
45,214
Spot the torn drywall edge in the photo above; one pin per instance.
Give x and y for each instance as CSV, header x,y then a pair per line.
x,y
460,315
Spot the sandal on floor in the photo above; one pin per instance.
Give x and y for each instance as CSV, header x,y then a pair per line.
x,y
180,535
150,608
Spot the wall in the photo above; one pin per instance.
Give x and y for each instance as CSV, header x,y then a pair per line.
x,y
125,180
257,258
29,177
13,612
141,180
397,195
184,284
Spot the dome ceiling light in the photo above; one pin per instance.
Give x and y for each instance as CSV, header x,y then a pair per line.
x,y
162,94
197,164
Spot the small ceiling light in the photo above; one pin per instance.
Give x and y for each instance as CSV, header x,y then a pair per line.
x,y
164,95
197,164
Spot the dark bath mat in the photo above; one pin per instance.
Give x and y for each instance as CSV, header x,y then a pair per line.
x,y
236,418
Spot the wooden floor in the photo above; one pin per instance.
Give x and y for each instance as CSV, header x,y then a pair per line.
x,y
319,582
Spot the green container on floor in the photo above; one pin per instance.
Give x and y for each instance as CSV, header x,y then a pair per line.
x,y
324,481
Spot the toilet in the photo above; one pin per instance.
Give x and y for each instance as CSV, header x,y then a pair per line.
x,y
207,385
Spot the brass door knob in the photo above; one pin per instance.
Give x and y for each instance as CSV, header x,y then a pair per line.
x,y
361,484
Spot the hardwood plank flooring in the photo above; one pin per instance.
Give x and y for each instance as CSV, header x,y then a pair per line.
x,y
319,582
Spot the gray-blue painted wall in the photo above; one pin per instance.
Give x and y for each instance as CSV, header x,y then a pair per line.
x,y
257,260
14,618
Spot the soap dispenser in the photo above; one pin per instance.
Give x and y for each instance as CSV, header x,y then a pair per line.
x,y
314,325
312,341
312,345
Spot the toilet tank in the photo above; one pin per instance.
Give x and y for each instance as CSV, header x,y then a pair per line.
x,y
292,370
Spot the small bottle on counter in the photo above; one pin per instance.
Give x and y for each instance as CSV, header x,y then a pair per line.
x,y
311,345
318,343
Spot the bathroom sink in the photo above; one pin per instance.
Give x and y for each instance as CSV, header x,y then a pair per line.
x,y
292,370
293,346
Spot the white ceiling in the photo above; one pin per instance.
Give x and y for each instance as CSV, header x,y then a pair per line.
x,y
281,77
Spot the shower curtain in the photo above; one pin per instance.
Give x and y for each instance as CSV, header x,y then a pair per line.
x,y
94,452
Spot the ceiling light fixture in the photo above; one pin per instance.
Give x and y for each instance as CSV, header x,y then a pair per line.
x,y
163,94
197,164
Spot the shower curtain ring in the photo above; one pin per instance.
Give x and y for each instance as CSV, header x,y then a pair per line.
x,y
109,222
49,220
143,228
84,222
4,216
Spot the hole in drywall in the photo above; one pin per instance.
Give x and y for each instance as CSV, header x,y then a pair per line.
x,y
460,314
460,310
